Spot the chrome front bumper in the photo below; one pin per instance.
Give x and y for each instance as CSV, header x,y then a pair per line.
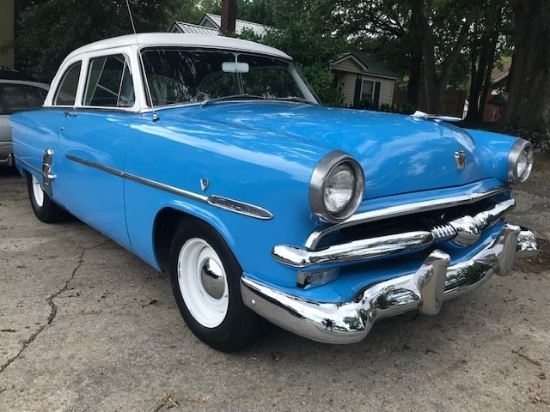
x,y
424,290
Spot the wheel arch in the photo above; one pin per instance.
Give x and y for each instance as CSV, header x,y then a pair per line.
x,y
166,222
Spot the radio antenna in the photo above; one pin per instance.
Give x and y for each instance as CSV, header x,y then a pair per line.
x,y
131,18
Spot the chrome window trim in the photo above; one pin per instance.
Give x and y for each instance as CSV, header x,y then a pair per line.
x,y
401,210
221,202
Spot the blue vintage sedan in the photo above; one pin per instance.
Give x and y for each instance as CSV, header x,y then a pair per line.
x,y
212,159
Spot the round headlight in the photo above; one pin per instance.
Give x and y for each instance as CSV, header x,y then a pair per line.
x,y
520,161
339,187
336,188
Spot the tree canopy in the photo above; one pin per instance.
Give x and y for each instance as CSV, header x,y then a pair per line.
x,y
48,30
433,45
528,110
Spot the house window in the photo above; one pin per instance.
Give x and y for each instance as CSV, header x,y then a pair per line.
x,y
367,91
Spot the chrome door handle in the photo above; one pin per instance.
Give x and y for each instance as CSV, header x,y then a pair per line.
x,y
70,114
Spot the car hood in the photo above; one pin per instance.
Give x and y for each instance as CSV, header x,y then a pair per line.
x,y
399,154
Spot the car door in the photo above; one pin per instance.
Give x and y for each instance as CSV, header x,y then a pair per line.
x,y
92,146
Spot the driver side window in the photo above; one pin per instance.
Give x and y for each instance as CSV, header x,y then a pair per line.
x,y
109,82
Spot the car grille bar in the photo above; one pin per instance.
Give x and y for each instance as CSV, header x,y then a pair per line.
x,y
463,230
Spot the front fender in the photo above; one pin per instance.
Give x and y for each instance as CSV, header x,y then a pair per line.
x,y
200,162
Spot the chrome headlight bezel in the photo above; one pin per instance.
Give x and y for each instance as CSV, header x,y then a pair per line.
x,y
319,179
520,153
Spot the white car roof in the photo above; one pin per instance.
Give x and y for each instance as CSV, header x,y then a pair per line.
x,y
179,39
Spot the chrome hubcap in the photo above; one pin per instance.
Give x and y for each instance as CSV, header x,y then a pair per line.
x,y
212,278
203,282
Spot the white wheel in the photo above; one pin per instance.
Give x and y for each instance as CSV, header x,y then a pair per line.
x,y
203,282
37,192
43,206
206,281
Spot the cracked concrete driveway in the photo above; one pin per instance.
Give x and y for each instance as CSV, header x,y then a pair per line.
x,y
85,325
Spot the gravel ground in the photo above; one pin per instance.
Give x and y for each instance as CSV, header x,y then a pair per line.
x,y
86,326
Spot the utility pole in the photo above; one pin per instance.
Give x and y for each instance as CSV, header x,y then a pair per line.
x,y
229,15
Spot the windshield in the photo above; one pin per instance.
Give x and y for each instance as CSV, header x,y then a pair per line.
x,y
178,75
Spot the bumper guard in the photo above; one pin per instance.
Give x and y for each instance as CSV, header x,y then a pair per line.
x,y
424,290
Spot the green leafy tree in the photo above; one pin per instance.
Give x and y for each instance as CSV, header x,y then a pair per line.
x,y
527,112
48,30
488,40
258,11
386,30
300,29
444,28
191,11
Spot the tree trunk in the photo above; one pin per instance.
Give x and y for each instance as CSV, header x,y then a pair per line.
x,y
487,82
415,62
415,74
527,113
481,76
475,63
436,85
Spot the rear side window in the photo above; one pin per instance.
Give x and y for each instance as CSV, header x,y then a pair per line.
x,y
109,82
18,97
66,92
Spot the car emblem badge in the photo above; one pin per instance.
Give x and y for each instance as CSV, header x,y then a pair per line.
x,y
460,159
204,184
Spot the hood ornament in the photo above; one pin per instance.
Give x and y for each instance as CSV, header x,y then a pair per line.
x,y
435,117
460,159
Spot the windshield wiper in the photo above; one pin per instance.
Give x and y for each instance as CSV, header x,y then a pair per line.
x,y
296,99
232,97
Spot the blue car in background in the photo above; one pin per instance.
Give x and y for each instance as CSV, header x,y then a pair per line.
x,y
212,159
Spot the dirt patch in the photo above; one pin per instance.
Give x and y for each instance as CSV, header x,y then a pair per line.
x,y
538,184
539,181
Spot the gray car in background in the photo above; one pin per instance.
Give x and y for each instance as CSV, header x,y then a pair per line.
x,y
16,96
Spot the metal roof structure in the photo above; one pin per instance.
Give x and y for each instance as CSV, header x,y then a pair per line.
x,y
183,27
214,21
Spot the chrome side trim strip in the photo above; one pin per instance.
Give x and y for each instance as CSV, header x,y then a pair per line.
x,y
95,165
167,188
465,230
28,165
401,210
425,289
240,207
231,205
